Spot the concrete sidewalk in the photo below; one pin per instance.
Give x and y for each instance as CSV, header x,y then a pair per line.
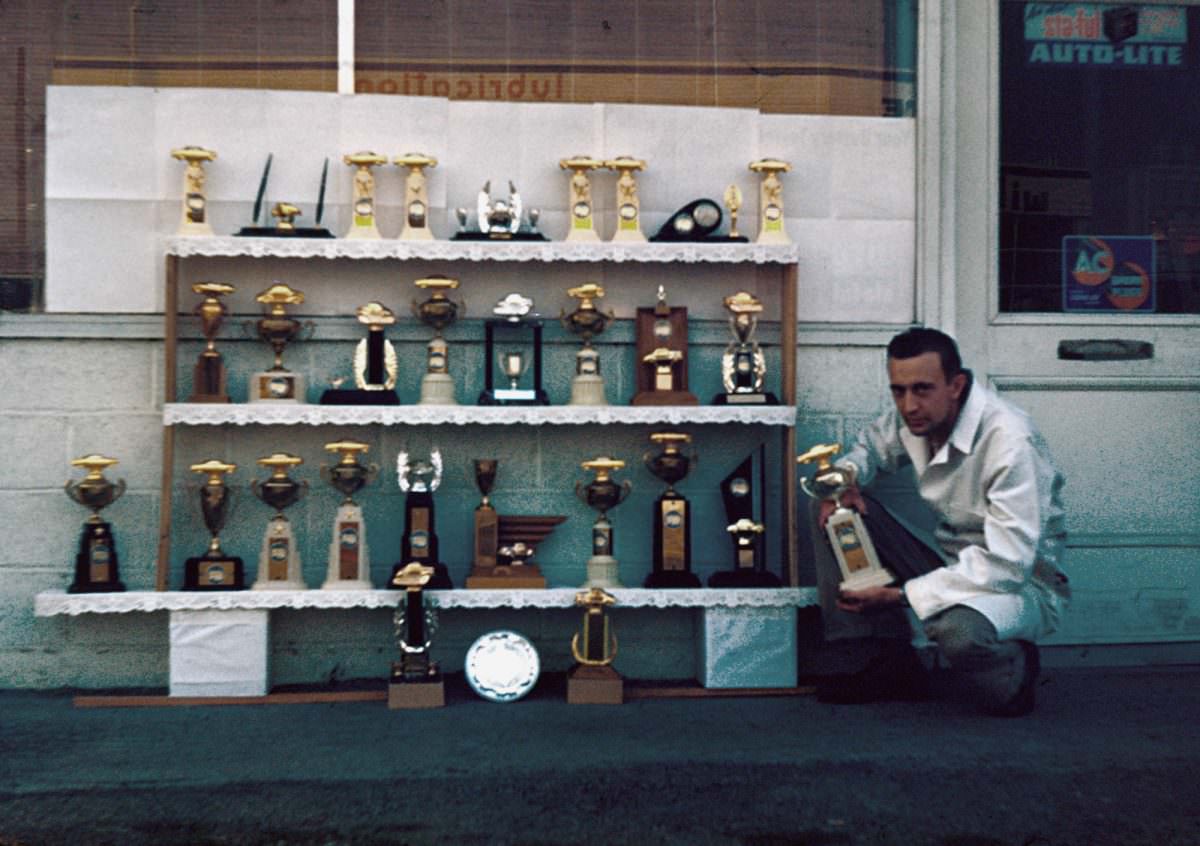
x,y
1109,756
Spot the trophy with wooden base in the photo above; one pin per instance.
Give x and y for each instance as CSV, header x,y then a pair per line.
x,y
416,681
743,509
770,195
583,226
438,312
743,365
419,543
375,364
279,565
587,321
208,376
629,208
662,347
349,561
194,219
416,196
602,494
278,329
593,681
96,568
505,544
852,546
672,515
362,224
214,570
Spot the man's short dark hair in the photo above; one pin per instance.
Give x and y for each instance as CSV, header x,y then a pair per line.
x,y
919,340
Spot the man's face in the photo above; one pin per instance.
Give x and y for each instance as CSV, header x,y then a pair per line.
x,y
927,401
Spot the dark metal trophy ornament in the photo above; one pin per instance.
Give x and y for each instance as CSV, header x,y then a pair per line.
x,y
629,207
349,559
279,566
498,220
419,544
694,222
416,681
580,205
194,219
593,681
743,510
285,213
770,196
513,344
277,329
375,365
416,196
743,365
671,516
362,218
602,494
96,568
662,347
214,570
587,321
208,376
852,546
438,312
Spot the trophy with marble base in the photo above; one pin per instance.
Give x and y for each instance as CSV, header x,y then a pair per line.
x,y
276,328
602,494
629,208
362,222
279,565
194,217
662,345
214,570
587,321
671,516
746,527
208,375
416,196
416,681
743,365
349,559
770,195
583,226
593,681
498,220
848,535
375,365
96,565
438,312
513,324
419,544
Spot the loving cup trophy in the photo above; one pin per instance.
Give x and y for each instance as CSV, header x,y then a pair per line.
x,y
277,328
279,566
96,569
671,516
349,560
587,321
602,494
214,570
438,312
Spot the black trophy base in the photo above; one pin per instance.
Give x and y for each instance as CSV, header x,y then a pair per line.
x,y
357,396
766,398
672,579
744,579
704,239
96,587
272,232
224,572
439,581
483,236
539,398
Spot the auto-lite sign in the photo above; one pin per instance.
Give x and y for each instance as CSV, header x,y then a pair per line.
x,y
1105,36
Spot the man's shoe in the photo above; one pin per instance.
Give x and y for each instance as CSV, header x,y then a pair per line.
x,y
895,674
1023,700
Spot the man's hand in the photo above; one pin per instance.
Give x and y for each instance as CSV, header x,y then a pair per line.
x,y
852,498
870,600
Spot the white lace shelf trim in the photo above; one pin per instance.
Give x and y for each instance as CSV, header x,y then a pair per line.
x,y
242,414
547,251
56,603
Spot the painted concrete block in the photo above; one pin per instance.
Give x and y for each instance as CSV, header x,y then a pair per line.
x,y
35,452
76,375
834,380
747,647
219,653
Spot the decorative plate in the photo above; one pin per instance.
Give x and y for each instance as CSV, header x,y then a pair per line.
x,y
502,666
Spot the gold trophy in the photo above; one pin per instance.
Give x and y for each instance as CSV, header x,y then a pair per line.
x,y
505,544
671,515
285,214
276,328
770,194
437,312
733,203
662,347
279,565
587,321
583,227
208,376
602,494
416,196
375,365
362,224
487,521
743,365
852,546
349,563
214,570
629,209
593,681
96,562
194,220
416,681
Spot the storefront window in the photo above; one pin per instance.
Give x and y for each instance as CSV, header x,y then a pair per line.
x,y
1099,158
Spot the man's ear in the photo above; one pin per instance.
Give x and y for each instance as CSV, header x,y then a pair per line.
x,y
958,383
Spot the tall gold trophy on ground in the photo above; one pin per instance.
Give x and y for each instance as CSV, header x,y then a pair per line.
x,y
208,376
416,196
770,194
852,546
194,219
593,681
362,224
581,208
629,208
416,681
